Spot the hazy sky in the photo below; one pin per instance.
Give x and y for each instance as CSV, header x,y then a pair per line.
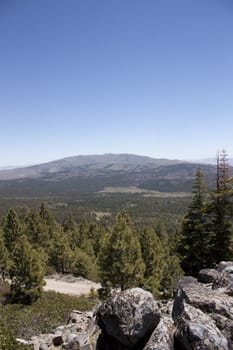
x,y
151,77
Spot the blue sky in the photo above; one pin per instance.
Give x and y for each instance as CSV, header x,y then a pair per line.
x,y
150,77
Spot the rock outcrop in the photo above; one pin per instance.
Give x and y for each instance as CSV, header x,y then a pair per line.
x,y
80,333
203,312
129,316
199,318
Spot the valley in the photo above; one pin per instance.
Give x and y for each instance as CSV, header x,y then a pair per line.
x,y
83,185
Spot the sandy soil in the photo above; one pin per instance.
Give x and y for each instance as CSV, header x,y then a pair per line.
x,y
68,284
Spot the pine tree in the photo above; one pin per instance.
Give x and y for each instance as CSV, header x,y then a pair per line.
x,y
12,230
61,256
47,219
69,224
154,258
26,273
194,243
96,235
120,260
4,256
220,212
171,274
36,231
85,265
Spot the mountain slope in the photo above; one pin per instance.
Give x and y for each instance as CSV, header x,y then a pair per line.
x,y
90,174
86,166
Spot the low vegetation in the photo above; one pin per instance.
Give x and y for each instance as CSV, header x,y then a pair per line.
x,y
24,321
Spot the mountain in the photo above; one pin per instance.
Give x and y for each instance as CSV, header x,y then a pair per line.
x,y
86,166
93,173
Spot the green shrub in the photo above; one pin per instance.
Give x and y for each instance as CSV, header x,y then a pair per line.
x,y
7,339
47,313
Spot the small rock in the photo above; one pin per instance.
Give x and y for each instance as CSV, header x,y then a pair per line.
x,y
78,342
223,281
208,276
223,265
57,340
23,341
43,346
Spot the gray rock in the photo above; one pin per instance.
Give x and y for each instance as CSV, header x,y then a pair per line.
x,y
43,346
229,269
226,327
75,316
208,276
229,290
68,340
83,341
42,342
223,265
163,335
57,340
84,321
129,316
217,305
36,346
204,298
79,341
185,281
23,341
198,331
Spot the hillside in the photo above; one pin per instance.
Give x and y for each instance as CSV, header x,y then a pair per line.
x,y
93,173
90,165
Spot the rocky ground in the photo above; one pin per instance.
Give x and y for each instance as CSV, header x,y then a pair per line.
x,y
200,317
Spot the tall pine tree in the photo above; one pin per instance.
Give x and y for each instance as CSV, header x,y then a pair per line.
x,y
120,259
194,243
220,212
4,256
26,273
154,258
12,231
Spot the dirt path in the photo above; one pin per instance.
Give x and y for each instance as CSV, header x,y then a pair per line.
x,y
70,285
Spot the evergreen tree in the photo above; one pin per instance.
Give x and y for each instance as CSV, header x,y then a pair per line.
x,y
85,265
194,243
171,273
48,219
161,232
120,260
220,212
61,256
12,230
4,256
26,273
83,233
154,259
35,229
96,235
69,224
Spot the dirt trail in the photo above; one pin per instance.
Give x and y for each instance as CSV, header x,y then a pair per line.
x,y
68,284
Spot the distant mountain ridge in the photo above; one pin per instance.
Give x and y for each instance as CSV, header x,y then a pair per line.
x,y
86,165
90,174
